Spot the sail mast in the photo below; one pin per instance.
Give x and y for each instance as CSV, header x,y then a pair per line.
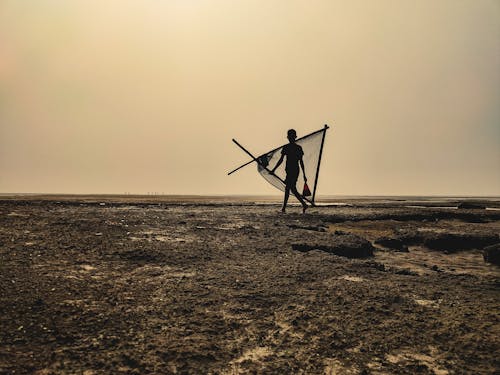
x,y
319,162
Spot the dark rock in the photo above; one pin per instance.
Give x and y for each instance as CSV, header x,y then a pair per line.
x,y
430,215
471,206
446,242
302,247
349,246
378,266
436,268
405,271
451,242
491,254
410,236
392,243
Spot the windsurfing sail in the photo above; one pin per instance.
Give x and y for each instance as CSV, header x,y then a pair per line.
x,y
312,145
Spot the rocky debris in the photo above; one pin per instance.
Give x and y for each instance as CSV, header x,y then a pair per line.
x,y
376,265
140,256
410,236
452,242
491,254
405,271
392,243
471,206
436,268
349,246
316,228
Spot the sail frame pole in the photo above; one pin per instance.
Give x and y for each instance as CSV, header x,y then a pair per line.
x,y
273,150
250,154
241,166
319,162
256,160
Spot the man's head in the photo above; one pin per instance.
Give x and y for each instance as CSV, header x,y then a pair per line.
x,y
292,135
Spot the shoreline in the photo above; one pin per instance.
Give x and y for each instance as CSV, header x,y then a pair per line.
x,y
489,203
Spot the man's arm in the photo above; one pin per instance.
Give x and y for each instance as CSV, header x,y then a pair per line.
x,y
278,163
303,170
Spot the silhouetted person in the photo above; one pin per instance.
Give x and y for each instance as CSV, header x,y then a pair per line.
x,y
293,153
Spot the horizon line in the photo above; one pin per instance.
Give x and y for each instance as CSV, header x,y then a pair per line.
x,y
10,194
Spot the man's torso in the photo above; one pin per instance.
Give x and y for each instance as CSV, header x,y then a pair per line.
x,y
293,154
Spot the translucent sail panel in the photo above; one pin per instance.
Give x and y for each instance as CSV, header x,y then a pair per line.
x,y
311,145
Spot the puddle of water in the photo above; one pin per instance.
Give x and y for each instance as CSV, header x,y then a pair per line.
x,y
451,207
448,207
432,230
87,267
421,261
334,367
132,238
254,354
170,239
17,214
161,271
161,238
234,226
427,302
128,208
354,279
428,361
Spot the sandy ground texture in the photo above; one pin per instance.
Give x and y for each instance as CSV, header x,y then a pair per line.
x,y
109,285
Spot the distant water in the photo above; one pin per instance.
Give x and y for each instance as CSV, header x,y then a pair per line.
x,y
274,196
333,200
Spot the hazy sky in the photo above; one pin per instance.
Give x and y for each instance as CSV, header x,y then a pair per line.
x,y
142,96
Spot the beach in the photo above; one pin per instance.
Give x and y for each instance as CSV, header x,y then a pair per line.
x,y
229,285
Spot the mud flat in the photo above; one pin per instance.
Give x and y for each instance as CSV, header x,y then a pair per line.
x,y
97,285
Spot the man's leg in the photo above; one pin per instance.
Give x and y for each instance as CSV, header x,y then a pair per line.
x,y
285,201
297,195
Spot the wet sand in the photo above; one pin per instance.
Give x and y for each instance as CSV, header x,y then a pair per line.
x,y
125,284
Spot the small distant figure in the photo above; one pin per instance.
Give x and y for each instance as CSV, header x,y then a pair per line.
x,y
293,153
